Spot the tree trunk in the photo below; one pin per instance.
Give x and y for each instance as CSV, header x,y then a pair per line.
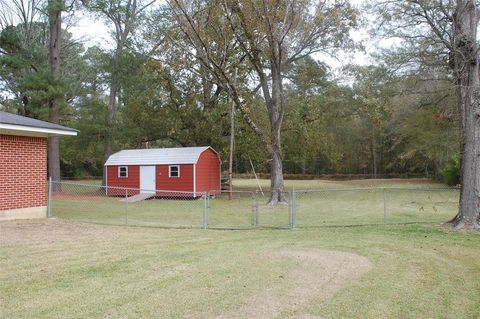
x,y
55,8
373,150
111,112
277,194
230,154
276,106
466,63
112,103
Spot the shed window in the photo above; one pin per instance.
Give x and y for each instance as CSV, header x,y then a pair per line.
x,y
174,171
123,171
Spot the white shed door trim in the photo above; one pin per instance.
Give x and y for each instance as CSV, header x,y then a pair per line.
x,y
147,179
194,180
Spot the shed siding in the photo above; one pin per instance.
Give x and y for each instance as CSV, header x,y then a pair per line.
x,y
207,177
132,181
208,172
23,172
182,183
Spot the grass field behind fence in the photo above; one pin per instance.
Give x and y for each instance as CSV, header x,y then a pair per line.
x,y
322,203
317,203
357,207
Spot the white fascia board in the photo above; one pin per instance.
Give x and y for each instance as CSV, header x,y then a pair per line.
x,y
195,180
11,129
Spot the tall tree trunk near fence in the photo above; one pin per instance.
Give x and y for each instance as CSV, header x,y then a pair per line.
x,y
263,38
373,150
277,194
275,102
466,68
108,139
55,8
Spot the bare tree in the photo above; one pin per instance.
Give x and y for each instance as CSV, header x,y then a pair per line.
x,y
465,54
24,12
262,39
442,34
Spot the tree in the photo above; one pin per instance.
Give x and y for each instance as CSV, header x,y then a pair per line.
x,y
373,89
34,53
23,51
83,155
261,39
442,34
465,64
55,8
125,16
24,59
423,129
313,106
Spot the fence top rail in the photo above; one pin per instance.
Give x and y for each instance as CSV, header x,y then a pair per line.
x,y
377,188
130,188
237,192
253,192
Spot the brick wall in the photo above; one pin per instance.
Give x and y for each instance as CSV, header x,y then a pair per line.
x,y
23,172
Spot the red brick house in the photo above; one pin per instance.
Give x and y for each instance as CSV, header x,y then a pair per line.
x,y
183,169
23,165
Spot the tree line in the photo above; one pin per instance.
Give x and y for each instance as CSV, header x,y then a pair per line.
x,y
172,72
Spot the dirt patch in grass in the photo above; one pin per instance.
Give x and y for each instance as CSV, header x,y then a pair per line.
x,y
316,276
48,231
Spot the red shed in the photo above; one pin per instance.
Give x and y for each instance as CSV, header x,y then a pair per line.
x,y
23,165
183,169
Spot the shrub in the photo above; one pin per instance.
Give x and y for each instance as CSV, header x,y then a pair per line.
x,y
451,171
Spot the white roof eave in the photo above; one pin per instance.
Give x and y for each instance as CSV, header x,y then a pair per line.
x,y
12,129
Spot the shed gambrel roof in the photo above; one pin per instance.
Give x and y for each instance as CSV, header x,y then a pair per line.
x,y
17,124
157,156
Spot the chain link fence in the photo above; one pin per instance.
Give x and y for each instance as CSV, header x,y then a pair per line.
x,y
247,209
277,216
233,210
130,206
374,205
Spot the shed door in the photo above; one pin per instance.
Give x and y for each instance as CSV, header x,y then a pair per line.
x,y
147,179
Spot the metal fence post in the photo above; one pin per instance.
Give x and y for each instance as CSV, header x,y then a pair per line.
x,y
208,209
290,210
255,208
49,204
294,208
205,208
126,207
384,206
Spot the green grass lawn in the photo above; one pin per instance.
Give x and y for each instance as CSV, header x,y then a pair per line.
x,y
333,203
66,269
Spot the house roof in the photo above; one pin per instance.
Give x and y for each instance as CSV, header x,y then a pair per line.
x,y
157,156
12,124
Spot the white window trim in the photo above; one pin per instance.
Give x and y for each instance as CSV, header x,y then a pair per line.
x,y
170,171
126,171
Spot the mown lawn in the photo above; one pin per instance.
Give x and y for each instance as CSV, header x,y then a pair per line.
x,y
66,269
